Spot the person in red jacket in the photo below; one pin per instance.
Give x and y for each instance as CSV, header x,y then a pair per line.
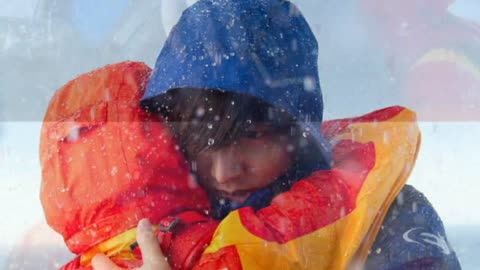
x,y
237,81
107,164
243,99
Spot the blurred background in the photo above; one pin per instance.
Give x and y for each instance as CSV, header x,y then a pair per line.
x,y
424,54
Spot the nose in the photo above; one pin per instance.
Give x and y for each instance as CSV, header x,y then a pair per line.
x,y
226,166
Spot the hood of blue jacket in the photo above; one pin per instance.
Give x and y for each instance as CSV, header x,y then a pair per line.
x,y
261,48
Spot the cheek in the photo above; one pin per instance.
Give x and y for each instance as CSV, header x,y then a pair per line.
x,y
202,169
267,160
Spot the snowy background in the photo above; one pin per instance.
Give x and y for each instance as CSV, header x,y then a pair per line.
x,y
45,43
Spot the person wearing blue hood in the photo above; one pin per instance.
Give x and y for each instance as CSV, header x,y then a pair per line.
x,y
238,83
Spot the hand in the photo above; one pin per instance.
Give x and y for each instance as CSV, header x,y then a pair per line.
x,y
153,258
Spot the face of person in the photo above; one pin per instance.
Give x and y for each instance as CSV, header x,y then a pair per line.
x,y
250,163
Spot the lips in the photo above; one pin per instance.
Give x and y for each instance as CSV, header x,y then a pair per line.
x,y
237,196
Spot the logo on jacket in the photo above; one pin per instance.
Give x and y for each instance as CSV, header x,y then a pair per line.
x,y
416,235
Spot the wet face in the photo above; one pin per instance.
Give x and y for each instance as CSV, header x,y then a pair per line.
x,y
250,163
236,144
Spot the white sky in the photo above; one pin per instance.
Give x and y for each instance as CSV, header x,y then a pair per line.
x,y
467,8
17,8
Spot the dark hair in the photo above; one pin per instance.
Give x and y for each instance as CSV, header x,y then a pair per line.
x,y
210,119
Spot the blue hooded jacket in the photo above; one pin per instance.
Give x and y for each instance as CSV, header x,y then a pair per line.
x,y
266,49
261,48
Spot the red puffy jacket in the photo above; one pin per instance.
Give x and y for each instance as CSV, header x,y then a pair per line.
x,y
106,164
